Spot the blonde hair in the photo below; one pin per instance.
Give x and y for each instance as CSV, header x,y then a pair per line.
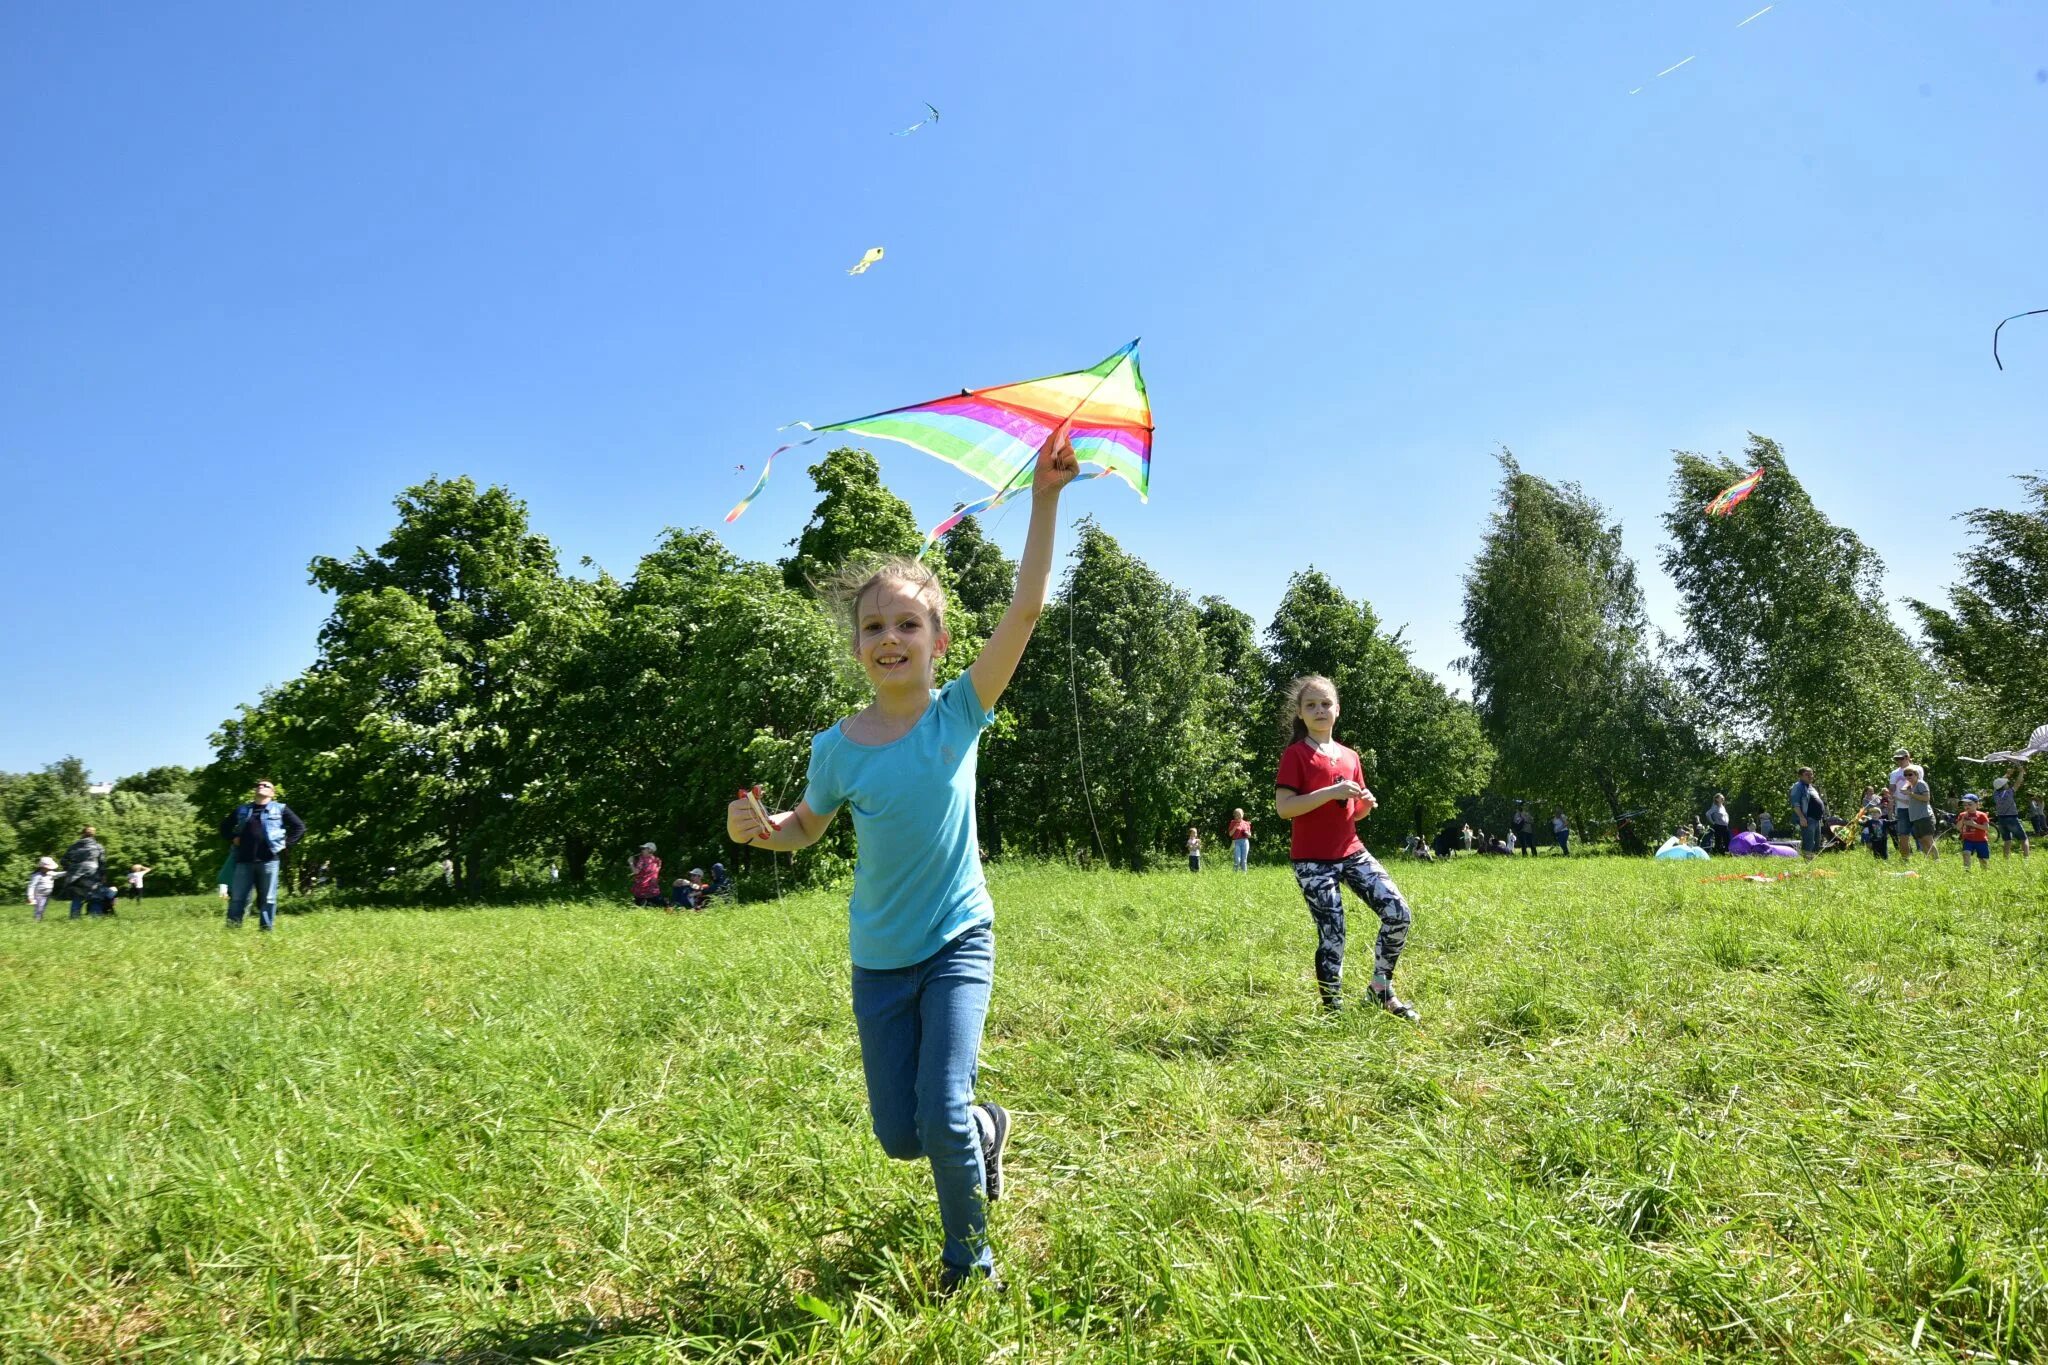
x,y
846,589
1297,731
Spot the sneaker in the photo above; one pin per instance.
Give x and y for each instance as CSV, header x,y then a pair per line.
x,y
992,1127
1383,992
952,1281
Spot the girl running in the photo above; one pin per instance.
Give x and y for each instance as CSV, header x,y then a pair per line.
x,y
921,921
1321,788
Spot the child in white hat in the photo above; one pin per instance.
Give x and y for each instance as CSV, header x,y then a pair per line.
x,y
41,883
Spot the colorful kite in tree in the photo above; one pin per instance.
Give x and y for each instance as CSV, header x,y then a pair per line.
x,y
860,267
994,434
1731,497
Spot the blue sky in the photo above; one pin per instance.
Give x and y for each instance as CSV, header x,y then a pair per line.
x,y
268,264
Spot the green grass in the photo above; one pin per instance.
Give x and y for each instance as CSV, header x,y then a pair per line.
x,y
1644,1116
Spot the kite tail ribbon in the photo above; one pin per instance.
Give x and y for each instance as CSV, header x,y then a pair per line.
x,y
766,466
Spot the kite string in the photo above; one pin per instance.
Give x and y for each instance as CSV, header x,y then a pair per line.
x,y
1074,691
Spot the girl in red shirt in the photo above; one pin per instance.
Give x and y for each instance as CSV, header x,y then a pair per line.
x,y
1321,788
1239,832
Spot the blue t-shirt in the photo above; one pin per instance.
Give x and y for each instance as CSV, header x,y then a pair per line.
x,y
917,885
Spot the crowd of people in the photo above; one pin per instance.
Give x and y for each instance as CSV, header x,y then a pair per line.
x,y
1898,817
83,878
257,833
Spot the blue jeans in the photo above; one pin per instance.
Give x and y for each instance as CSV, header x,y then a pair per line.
x,y
1240,852
920,1040
260,878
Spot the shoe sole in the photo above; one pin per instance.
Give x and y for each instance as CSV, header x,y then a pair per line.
x,y
992,1155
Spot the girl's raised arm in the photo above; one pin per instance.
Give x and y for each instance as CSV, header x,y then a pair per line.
x,y
993,668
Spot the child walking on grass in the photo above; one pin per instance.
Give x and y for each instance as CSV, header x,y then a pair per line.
x,y
1321,788
1239,832
1973,827
41,883
921,924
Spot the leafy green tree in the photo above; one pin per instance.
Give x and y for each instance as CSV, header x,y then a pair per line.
x,y
414,736
1566,685
169,779
710,673
1231,639
41,814
982,575
1788,640
857,516
161,831
1140,689
1992,638
1422,747
46,809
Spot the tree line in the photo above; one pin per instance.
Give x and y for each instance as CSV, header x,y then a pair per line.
x,y
472,702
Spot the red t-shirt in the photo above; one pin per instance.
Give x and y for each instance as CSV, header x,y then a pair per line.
x,y
1974,826
1240,829
1330,831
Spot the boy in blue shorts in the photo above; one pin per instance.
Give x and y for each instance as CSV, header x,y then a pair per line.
x,y
1973,827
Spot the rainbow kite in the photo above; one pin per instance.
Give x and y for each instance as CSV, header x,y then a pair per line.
x,y
1730,498
994,434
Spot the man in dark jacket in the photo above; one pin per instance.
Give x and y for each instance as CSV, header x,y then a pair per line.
x,y
82,864
260,829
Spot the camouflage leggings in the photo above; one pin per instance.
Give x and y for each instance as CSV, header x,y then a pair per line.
x,y
1322,886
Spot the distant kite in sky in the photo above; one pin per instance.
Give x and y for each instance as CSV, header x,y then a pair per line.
x,y
1995,331
874,253
932,117
1731,497
1675,65
994,434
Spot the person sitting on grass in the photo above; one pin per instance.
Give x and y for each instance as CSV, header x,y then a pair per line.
x,y
719,887
921,921
679,895
1973,827
2005,802
1321,788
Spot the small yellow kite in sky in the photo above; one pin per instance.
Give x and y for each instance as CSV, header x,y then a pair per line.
x,y
874,254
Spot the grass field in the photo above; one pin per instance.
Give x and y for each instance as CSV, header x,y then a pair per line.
x,y
1644,1116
